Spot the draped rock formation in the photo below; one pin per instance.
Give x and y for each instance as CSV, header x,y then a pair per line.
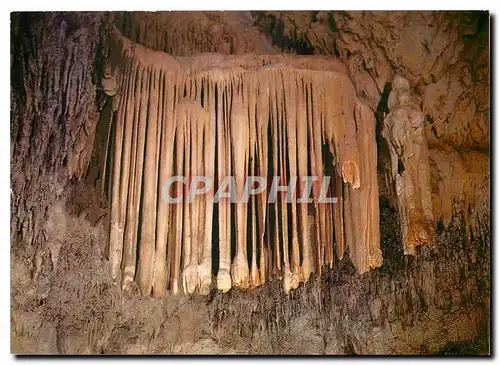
x,y
76,100
240,116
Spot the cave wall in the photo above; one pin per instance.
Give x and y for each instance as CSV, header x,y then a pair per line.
x,y
54,113
62,299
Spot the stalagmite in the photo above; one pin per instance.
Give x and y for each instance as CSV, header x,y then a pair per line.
x,y
214,117
404,131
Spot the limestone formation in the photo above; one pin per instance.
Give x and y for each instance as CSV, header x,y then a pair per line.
x,y
405,133
101,116
185,107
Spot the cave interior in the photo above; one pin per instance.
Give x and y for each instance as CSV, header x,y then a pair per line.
x,y
391,109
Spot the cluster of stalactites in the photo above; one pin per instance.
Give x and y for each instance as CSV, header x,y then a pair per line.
x,y
237,122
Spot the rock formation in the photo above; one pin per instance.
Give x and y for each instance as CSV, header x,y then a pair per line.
x,y
211,100
393,106
410,167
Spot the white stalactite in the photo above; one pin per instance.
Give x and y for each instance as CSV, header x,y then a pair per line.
x,y
148,227
217,117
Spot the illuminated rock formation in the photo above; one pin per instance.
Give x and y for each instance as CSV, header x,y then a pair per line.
x,y
75,99
214,110
405,133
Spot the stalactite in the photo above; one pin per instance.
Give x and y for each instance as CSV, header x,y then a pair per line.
x,y
178,208
338,217
127,145
130,244
307,267
317,102
196,169
325,119
239,143
250,86
218,117
254,271
205,266
290,110
189,270
288,279
148,227
366,135
166,170
274,130
223,275
312,117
